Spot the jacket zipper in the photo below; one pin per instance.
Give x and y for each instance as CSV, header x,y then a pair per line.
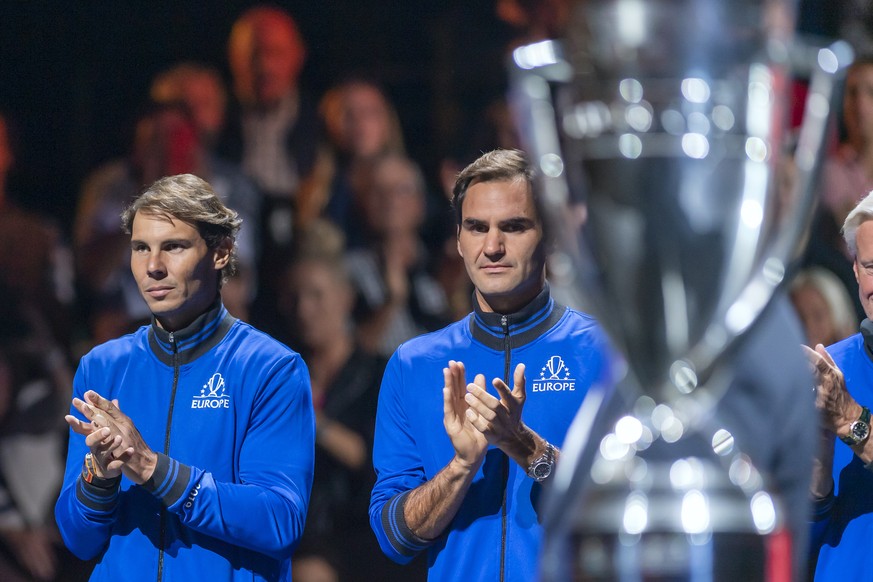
x,y
167,451
507,361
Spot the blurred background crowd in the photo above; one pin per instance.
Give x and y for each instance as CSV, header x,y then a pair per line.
x,y
335,129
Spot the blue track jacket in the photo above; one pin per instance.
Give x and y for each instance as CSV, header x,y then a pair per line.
x,y
843,525
229,411
496,533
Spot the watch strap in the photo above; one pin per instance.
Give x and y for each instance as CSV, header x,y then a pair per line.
x,y
851,439
89,474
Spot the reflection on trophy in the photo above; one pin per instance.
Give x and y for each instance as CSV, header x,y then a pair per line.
x,y
668,120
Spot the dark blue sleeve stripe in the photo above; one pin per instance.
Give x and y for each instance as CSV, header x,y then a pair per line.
x,y
401,537
160,479
169,480
167,483
100,499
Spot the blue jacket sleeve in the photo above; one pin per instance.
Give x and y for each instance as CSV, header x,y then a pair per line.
x,y
399,469
267,510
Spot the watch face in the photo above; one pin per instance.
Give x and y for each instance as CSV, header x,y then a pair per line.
x,y
542,470
860,430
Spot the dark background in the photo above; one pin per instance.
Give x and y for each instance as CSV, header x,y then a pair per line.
x,y
73,73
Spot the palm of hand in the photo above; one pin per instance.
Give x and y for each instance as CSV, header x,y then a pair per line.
x,y
469,443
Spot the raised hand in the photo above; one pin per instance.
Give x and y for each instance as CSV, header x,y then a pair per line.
x,y
108,448
498,420
838,408
138,460
469,443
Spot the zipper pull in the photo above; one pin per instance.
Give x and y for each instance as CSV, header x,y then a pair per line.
x,y
505,323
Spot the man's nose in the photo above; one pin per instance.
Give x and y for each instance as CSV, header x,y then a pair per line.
x,y
494,242
155,266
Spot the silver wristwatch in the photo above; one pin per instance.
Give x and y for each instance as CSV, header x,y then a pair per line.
x,y
858,430
540,469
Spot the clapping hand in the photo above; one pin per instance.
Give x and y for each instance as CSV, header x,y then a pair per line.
x,y
114,440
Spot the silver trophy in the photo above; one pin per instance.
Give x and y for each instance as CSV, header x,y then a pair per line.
x,y
665,124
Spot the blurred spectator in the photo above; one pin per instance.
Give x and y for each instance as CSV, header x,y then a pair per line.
x,y
201,91
848,172
317,301
271,131
273,134
851,20
535,20
35,261
33,386
847,176
165,142
824,306
397,297
36,296
360,124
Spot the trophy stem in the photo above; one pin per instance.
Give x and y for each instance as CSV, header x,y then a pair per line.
x,y
662,501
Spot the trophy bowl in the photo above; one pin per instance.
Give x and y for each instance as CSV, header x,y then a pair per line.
x,y
665,123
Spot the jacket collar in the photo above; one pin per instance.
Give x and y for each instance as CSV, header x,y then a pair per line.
x,y
523,326
193,341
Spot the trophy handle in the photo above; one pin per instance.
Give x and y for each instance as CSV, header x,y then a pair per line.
x,y
825,66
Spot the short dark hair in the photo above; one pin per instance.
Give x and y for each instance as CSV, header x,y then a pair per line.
x,y
494,166
190,199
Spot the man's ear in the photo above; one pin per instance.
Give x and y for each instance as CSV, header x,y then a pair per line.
x,y
855,269
222,255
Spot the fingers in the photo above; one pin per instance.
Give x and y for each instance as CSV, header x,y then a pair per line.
x,y
820,349
478,420
476,390
518,383
482,406
502,389
455,378
87,410
79,427
808,352
118,458
101,437
479,409
453,391
517,394
447,393
103,404
821,361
